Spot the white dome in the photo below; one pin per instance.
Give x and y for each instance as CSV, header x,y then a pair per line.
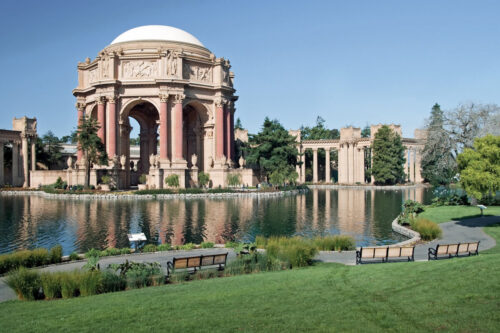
x,y
157,32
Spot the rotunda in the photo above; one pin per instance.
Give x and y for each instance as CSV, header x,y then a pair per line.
x,y
180,94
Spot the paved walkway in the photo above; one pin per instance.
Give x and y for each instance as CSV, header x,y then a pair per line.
x,y
453,232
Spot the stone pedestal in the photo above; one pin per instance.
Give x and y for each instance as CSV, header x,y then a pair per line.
x,y
193,177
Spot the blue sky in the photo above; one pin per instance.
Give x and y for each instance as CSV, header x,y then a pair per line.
x,y
350,62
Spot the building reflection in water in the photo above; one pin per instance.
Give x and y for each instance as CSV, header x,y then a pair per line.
x,y
32,221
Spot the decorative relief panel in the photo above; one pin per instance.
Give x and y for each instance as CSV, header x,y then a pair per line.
x,y
93,77
172,63
138,69
198,73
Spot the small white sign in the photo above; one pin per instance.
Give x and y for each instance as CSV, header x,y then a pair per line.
x,y
136,237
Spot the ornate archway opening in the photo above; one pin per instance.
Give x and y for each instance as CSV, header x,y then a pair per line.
x,y
147,116
195,119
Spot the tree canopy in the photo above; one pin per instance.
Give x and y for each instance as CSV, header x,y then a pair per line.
x,y
91,145
273,149
480,167
388,157
438,163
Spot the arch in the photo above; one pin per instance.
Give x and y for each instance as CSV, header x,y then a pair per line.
x,y
195,119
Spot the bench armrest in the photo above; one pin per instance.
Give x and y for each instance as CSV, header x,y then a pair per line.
x,y
170,266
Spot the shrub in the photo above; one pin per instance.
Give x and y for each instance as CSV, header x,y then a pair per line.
x,y
106,179
444,196
55,254
74,256
260,242
59,184
92,253
233,179
70,282
187,246
26,284
111,251
172,180
191,191
295,251
253,263
203,179
334,243
149,248
92,256
427,229
207,245
39,257
111,282
177,277
220,190
143,179
90,283
410,210
51,285
164,247
154,191
125,250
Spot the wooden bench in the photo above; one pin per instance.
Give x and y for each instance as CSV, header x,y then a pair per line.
x,y
384,253
453,250
194,263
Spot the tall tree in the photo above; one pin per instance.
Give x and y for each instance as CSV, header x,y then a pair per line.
x,y
388,157
273,148
438,163
480,167
237,124
366,132
91,145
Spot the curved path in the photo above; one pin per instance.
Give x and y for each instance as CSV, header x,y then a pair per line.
x,y
453,232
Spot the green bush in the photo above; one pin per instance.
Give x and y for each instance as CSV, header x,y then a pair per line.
x,y
177,277
111,282
74,256
70,282
149,248
220,190
203,179
55,254
207,245
295,251
90,283
39,257
261,242
191,191
125,250
26,283
51,285
427,229
143,178
92,253
154,191
233,179
188,246
111,251
254,263
335,243
164,247
172,180
106,179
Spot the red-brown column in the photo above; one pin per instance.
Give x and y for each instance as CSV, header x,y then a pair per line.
x,y
101,119
219,129
178,127
227,128
163,127
79,107
111,146
231,134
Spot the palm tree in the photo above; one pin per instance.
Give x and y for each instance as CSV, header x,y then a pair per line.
x,y
91,145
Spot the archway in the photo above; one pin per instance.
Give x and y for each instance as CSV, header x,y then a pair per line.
x,y
195,117
147,116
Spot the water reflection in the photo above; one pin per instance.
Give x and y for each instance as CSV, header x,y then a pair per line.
x,y
32,221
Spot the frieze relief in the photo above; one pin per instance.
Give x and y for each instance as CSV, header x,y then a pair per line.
x,y
139,69
199,73
93,77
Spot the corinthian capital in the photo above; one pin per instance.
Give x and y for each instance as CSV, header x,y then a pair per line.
x,y
101,100
80,106
219,102
163,98
179,98
112,99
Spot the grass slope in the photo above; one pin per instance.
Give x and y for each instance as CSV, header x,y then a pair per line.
x,y
448,213
457,295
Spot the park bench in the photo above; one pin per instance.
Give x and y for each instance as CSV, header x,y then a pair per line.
x,y
384,253
453,250
193,263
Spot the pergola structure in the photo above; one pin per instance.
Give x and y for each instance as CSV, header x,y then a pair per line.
x,y
20,138
181,95
352,151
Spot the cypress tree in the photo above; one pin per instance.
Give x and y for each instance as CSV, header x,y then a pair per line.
x,y
388,157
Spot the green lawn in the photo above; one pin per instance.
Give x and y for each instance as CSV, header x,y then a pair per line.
x,y
459,294
448,213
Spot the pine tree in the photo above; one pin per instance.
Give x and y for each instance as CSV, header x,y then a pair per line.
x,y
388,157
438,164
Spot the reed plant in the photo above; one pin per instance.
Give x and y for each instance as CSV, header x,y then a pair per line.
x,y
207,245
335,243
25,283
111,282
51,285
296,251
55,254
70,283
427,229
89,283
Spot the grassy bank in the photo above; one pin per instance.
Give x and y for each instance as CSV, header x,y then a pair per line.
x,y
448,295
448,213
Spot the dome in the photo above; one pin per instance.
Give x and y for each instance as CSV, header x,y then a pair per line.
x,y
157,32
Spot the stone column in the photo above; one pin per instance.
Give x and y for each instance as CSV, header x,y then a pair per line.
x,y
342,164
15,163
101,119
315,165
350,159
24,143
163,127
178,130
361,165
231,134
219,128
33,153
111,146
412,165
80,109
418,169
227,128
405,166
303,167
327,165
2,175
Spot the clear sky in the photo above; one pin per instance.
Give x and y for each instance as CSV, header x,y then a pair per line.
x,y
350,62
